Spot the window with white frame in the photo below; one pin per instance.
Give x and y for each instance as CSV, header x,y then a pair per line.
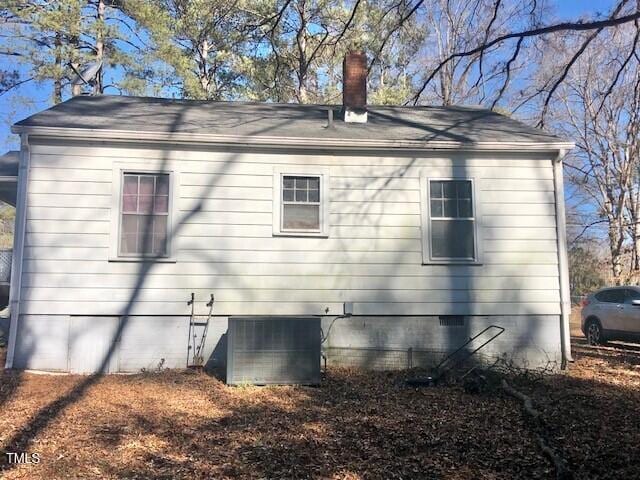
x,y
300,203
144,214
450,221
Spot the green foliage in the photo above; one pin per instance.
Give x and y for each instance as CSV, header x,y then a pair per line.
x,y
7,221
201,41
48,38
269,50
8,79
585,271
272,50
390,94
263,50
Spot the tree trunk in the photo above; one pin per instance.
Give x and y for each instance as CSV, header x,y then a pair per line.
x,y
303,65
635,248
636,251
303,94
633,212
615,244
98,85
57,82
205,82
76,88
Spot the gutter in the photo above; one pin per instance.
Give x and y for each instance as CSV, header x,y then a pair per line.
x,y
563,259
18,247
280,142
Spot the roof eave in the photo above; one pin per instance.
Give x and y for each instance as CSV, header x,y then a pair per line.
x,y
279,142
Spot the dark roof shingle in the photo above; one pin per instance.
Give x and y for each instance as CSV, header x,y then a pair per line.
x,y
422,123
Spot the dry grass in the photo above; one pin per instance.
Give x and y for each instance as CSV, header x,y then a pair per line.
x,y
357,425
574,322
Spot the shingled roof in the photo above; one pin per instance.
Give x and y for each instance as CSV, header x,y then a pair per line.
x,y
460,125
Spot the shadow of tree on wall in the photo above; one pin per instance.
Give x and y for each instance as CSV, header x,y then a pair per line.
x,y
462,286
336,408
23,438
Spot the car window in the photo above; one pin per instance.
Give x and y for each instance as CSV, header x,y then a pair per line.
x,y
611,296
603,296
632,295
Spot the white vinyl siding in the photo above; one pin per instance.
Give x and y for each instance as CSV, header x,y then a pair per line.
x,y
223,238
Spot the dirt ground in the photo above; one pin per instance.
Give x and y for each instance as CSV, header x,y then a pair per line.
x,y
356,425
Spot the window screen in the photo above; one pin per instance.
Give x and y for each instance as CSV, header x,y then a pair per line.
x,y
452,219
144,214
300,203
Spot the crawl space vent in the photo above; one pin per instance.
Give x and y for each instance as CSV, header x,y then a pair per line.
x,y
451,321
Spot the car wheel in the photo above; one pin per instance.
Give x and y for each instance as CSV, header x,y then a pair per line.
x,y
594,333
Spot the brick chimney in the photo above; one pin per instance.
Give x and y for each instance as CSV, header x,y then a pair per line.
x,y
354,87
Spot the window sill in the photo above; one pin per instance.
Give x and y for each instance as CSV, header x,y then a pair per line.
x,y
470,263
301,234
142,260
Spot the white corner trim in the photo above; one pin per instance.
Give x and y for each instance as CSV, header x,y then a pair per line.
x,y
563,258
284,142
325,179
18,247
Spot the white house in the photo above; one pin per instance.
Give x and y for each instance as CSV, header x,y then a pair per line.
x,y
405,229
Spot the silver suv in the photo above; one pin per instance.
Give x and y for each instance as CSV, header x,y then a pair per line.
x,y
611,314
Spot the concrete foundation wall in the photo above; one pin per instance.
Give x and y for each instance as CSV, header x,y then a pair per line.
x,y
401,342
42,343
80,344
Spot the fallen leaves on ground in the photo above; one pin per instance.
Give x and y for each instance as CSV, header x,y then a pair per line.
x,y
356,425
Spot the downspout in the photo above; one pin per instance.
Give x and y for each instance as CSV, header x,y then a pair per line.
x,y
18,247
563,260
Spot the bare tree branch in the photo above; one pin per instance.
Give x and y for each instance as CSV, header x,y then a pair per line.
x,y
508,72
565,72
347,25
624,64
391,32
8,88
559,27
494,16
571,62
